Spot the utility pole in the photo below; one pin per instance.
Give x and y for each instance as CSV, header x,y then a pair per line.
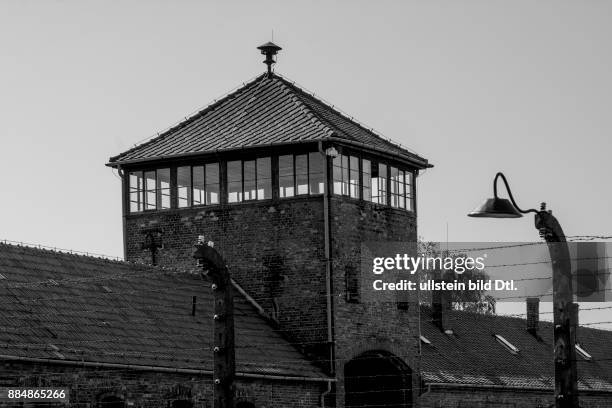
x,y
224,360
566,386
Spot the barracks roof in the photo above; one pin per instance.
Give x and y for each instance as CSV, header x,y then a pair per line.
x,y
267,111
66,307
473,355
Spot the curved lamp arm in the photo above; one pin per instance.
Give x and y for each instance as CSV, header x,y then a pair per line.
x,y
500,174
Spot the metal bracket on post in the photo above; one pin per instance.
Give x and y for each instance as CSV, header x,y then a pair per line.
x,y
224,360
566,389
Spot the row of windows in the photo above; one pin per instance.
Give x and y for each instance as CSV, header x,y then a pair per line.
x,y
374,177
249,180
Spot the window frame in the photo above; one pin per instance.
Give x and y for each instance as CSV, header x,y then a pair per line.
x,y
256,179
310,179
191,188
143,191
308,175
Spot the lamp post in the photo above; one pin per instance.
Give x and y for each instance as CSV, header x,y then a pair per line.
x,y
566,389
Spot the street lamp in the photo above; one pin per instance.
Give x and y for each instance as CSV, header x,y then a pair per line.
x,y
566,389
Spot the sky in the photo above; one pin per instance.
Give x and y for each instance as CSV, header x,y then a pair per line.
x,y
474,86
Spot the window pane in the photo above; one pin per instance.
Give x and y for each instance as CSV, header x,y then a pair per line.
x,y
337,170
212,183
316,172
379,183
136,192
150,196
163,188
183,186
402,190
285,176
250,187
234,181
394,184
264,178
409,178
301,173
345,175
382,184
354,177
198,185
366,175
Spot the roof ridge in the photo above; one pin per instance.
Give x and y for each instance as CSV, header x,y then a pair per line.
x,y
466,313
86,256
285,84
344,115
190,119
299,90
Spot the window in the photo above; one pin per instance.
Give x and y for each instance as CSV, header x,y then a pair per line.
x,y
264,178
249,180
136,192
197,185
379,183
183,186
507,345
300,174
316,173
163,188
366,176
286,181
149,190
346,175
401,189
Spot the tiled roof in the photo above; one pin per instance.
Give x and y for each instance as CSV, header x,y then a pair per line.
x,y
266,111
67,307
473,356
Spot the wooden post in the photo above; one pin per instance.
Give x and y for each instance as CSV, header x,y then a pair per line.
x,y
224,363
566,387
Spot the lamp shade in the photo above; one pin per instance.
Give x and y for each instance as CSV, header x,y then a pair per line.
x,y
496,208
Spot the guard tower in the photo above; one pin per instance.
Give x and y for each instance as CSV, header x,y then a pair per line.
x,y
287,188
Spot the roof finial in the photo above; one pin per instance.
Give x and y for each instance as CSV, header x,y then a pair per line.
x,y
269,49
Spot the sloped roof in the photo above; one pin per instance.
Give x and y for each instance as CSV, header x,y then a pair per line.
x,y
68,307
474,357
266,111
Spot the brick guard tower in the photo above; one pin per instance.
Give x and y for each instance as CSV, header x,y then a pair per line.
x,y
287,187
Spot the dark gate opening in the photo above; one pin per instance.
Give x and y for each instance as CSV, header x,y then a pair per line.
x,y
377,379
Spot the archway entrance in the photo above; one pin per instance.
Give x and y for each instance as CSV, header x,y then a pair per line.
x,y
377,379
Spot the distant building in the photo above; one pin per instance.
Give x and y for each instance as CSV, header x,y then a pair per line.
x,y
287,188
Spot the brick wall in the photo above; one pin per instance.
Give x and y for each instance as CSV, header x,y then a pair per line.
x,y
147,389
275,251
361,326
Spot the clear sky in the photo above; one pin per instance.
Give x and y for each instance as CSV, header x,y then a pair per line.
x,y
475,86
